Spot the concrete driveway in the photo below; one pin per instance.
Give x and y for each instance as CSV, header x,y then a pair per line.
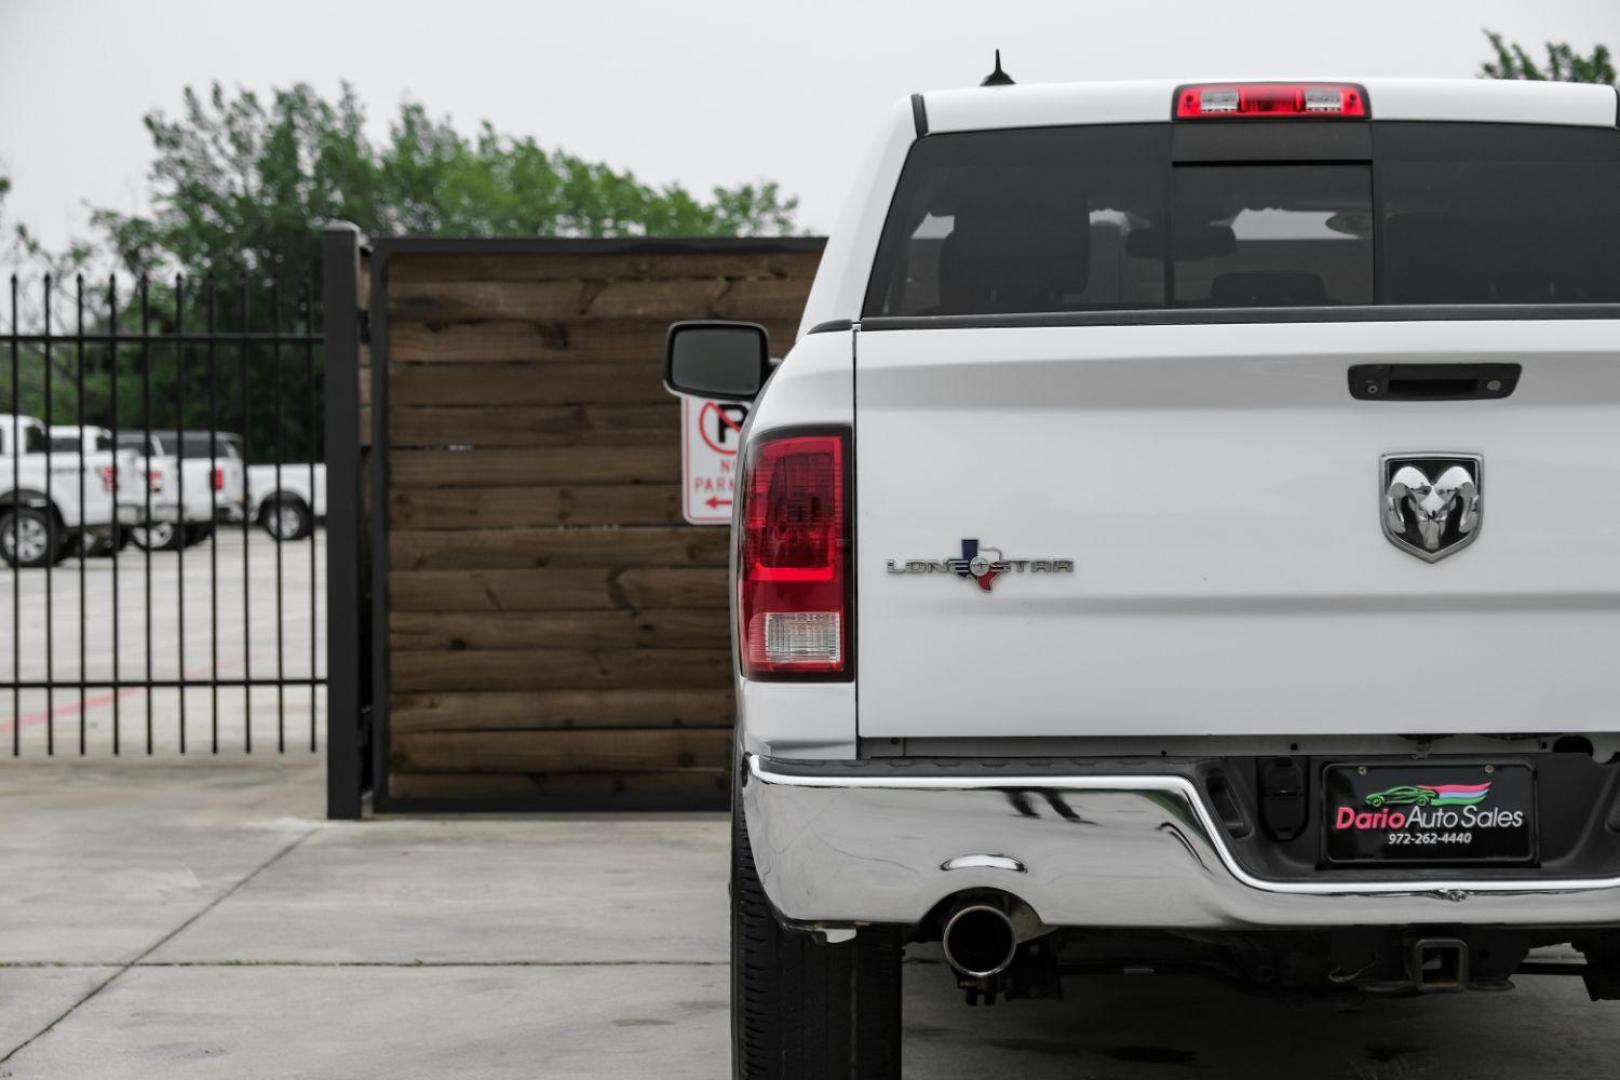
x,y
199,921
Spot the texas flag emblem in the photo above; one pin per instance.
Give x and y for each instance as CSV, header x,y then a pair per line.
x,y
978,566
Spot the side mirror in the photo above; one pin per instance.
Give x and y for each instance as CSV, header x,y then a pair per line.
x,y
725,360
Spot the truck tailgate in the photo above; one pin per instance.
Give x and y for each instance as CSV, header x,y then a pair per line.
x,y
1220,494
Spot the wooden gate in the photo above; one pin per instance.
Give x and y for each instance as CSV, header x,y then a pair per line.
x,y
546,630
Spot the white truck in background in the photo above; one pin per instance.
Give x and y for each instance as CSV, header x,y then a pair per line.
x,y
128,480
195,478
287,500
51,500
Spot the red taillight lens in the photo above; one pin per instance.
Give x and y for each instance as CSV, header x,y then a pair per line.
x,y
107,477
219,479
1257,100
154,479
793,559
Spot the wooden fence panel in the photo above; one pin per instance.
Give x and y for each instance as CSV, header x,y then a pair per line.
x,y
556,632
518,507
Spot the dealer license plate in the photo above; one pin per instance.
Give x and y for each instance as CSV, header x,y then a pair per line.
x,y
1429,814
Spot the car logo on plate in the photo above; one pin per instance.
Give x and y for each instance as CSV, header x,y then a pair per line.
x,y
1431,504
981,565
1430,795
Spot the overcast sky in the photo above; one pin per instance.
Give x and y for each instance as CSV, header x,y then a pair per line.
x,y
703,92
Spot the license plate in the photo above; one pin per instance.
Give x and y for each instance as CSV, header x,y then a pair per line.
x,y
1429,814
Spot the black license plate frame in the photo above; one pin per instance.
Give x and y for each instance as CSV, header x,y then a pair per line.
x,y
1416,815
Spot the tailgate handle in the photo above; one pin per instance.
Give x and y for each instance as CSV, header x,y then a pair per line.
x,y
1432,382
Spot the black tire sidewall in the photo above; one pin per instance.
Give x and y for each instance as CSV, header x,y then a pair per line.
x,y
306,520
175,539
771,1035
53,542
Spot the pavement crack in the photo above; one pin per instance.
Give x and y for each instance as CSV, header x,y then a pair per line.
x,y
282,853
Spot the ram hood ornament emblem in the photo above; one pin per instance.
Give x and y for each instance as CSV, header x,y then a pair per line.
x,y
1431,504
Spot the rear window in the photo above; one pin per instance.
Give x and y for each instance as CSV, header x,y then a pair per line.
x,y
74,443
1102,219
1011,221
198,444
1493,214
140,443
1271,235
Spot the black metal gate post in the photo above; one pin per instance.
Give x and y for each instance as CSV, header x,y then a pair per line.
x,y
346,709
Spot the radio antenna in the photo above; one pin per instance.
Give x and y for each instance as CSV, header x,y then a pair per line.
x,y
997,77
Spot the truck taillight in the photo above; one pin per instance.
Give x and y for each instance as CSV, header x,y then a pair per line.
x,y
108,477
219,479
154,480
793,552
1258,100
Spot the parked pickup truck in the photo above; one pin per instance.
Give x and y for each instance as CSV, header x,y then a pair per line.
x,y
129,482
287,500
195,479
50,501
1115,584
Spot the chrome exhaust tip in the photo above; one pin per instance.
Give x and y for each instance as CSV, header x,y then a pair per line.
x,y
980,940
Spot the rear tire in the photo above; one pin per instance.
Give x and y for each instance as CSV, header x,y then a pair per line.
x,y
103,545
802,1010
157,536
28,537
287,519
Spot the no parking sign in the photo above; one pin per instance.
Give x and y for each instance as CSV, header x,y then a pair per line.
x,y
711,432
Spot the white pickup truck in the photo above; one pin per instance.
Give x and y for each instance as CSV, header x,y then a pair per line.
x,y
195,479
1184,533
130,483
287,500
52,499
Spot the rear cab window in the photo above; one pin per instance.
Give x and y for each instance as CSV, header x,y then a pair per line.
x,y
141,444
1136,217
201,445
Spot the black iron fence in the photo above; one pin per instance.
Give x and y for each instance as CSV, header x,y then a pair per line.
x,y
162,500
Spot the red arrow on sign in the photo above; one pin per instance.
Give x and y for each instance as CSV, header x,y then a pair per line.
x,y
715,501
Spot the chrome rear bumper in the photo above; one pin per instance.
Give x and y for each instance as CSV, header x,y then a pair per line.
x,y
839,844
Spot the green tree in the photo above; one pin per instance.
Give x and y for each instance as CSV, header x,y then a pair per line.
x,y
35,265
240,183
239,188
1563,63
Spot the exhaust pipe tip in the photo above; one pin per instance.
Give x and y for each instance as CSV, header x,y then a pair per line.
x,y
980,940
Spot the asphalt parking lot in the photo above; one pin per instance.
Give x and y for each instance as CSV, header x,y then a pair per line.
x,y
185,922
216,611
